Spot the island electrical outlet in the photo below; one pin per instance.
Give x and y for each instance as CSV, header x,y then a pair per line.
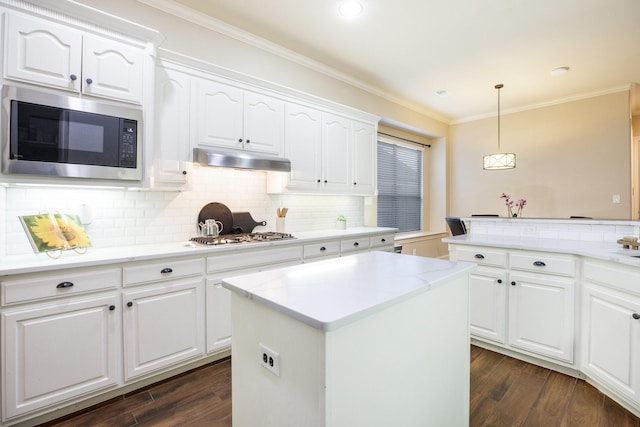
x,y
270,360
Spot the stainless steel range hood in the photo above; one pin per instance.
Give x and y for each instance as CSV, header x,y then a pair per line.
x,y
240,159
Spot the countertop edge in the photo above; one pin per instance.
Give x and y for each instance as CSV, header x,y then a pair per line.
x,y
607,251
461,268
34,263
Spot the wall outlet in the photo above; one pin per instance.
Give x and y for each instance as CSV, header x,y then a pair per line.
x,y
616,198
270,360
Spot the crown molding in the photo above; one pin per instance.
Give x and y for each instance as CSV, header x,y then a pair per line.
x,y
221,27
577,97
76,14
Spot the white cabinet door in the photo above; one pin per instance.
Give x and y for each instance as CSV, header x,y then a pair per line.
x,y
57,351
218,317
171,143
364,158
263,123
487,304
218,114
303,146
41,52
611,339
112,69
336,149
163,325
541,317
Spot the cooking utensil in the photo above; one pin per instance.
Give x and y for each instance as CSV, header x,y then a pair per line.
x,y
282,212
219,212
245,222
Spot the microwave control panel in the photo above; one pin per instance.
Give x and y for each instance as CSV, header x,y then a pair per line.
x,y
128,143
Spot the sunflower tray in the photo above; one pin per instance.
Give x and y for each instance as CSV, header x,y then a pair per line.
x,y
53,233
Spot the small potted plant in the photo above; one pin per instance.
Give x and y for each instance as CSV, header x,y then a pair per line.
x,y
341,223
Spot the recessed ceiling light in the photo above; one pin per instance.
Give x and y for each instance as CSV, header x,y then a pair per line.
x,y
559,71
350,9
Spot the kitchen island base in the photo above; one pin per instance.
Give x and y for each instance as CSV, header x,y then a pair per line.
x,y
407,364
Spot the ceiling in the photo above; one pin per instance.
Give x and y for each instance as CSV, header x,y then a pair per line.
x,y
410,49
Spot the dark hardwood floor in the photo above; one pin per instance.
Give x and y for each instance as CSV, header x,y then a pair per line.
x,y
504,392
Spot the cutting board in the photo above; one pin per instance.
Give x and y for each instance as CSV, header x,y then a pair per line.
x,y
245,222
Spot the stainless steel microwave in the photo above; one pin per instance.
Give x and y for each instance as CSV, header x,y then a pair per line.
x,y
67,136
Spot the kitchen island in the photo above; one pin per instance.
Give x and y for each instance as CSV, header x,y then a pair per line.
x,y
373,339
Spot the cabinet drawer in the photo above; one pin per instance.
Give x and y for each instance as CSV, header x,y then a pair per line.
x,y
321,249
543,263
27,288
351,245
613,275
482,256
247,259
157,271
384,240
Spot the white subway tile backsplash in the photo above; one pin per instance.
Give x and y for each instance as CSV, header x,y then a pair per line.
x,y
125,217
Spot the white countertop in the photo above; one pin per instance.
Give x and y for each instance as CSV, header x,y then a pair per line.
x,y
32,263
609,251
330,294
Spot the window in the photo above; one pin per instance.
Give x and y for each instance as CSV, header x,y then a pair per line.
x,y
399,186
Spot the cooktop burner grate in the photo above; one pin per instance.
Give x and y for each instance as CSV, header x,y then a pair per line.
x,y
227,239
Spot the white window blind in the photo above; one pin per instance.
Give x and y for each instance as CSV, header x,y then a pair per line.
x,y
399,186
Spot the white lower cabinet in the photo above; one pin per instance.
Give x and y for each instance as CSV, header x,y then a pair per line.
x,y
218,316
611,328
163,319
488,296
163,326
541,318
522,300
58,351
60,337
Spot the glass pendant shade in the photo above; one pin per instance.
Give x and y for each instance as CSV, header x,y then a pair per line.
x,y
499,161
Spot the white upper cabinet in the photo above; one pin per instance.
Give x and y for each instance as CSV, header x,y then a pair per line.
x,y
42,52
363,172
171,156
227,116
329,153
263,123
303,147
336,137
112,69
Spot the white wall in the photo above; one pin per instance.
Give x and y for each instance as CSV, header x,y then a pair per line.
x,y
571,159
122,217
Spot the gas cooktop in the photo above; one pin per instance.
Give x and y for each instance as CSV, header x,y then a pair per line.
x,y
227,239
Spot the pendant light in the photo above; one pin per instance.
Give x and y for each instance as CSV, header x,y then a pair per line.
x,y
499,160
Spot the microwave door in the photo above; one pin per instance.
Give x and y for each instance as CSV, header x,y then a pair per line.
x,y
93,139
37,132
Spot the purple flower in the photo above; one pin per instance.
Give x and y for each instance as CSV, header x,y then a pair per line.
x,y
520,204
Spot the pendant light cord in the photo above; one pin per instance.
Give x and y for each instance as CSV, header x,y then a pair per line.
x,y
499,86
